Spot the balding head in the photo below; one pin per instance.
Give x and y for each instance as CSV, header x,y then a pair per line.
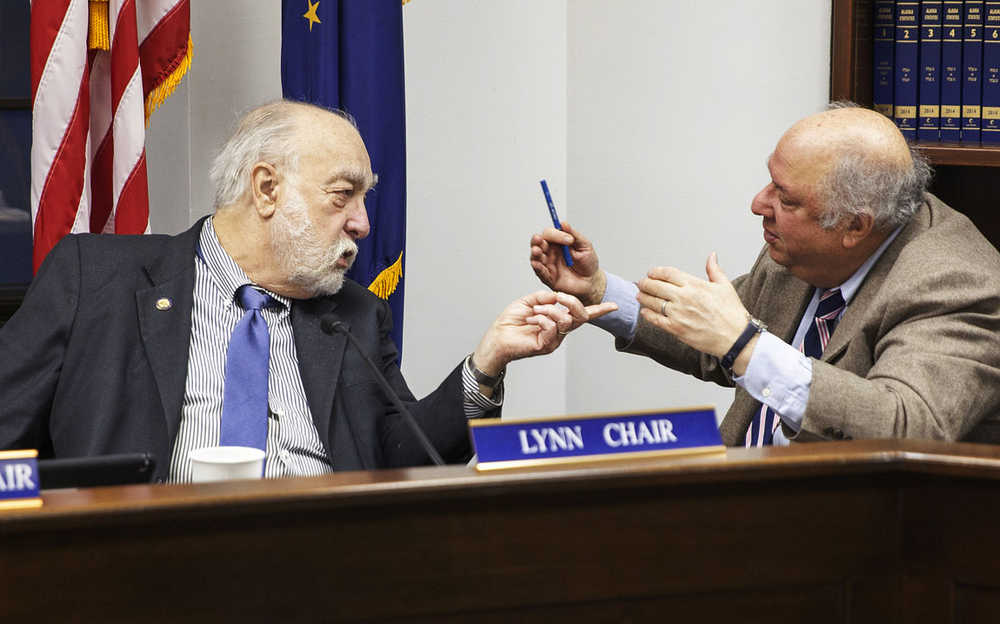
x,y
860,164
846,129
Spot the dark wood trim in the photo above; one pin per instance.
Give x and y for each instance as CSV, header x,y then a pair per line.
x,y
943,154
851,51
862,531
842,51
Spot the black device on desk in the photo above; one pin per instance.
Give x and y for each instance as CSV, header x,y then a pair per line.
x,y
77,472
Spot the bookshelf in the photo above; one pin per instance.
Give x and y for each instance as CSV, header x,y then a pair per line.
x,y
967,178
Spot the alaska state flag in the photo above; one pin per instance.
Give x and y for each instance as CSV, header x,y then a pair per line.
x,y
348,54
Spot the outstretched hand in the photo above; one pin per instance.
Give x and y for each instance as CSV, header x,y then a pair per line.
x,y
584,279
533,325
705,315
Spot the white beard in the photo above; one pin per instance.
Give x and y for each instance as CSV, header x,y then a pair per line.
x,y
305,260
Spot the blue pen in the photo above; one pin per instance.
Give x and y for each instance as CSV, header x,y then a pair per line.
x,y
555,220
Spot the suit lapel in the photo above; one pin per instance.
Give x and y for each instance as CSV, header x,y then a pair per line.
x,y
858,312
784,311
320,359
164,306
782,301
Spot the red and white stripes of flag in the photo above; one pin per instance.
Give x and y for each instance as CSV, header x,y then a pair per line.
x,y
98,69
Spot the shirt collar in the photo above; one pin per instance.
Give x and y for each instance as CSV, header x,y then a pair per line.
x,y
228,275
850,287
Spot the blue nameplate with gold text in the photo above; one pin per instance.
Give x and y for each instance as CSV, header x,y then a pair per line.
x,y
19,482
522,443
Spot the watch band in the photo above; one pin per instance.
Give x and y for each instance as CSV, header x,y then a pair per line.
x,y
481,377
753,327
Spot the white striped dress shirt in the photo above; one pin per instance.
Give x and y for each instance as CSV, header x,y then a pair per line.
x,y
293,444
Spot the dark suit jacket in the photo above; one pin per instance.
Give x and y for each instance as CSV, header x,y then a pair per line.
x,y
915,355
91,366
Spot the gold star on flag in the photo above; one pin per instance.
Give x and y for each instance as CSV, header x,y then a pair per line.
x,y
311,14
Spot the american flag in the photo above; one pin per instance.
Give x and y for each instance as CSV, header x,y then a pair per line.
x,y
98,70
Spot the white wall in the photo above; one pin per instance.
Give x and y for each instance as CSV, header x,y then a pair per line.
x,y
673,110
486,119
651,120
236,65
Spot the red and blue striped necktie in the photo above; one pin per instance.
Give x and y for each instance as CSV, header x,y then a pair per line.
x,y
831,304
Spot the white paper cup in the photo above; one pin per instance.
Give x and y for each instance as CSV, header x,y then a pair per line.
x,y
225,463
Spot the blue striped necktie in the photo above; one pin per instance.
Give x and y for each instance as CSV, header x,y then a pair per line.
x,y
244,399
831,304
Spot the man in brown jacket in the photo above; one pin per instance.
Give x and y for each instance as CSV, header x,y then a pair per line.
x,y
872,312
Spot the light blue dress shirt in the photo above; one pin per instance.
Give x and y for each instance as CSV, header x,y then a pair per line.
x,y
778,374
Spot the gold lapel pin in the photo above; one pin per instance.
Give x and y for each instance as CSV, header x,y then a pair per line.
x,y
163,304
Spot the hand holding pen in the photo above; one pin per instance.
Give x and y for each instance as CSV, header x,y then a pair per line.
x,y
582,277
555,220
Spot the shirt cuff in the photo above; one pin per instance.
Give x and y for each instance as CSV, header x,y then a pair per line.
x,y
620,323
475,403
779,376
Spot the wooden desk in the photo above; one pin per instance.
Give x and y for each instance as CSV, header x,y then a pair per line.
x,y
851,531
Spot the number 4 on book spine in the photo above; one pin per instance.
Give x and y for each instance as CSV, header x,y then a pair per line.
x,y
951,72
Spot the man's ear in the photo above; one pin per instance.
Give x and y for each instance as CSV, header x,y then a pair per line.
x,y
859,227
264,188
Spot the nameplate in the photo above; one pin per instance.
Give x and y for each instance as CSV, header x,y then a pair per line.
x,y
19,483
522,443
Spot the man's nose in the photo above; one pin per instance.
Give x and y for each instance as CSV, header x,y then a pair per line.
x,y
357,221
763,202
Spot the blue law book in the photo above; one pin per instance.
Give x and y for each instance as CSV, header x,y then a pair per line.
x,y
882,57
991,75
951,72
929,101
972,66
906,68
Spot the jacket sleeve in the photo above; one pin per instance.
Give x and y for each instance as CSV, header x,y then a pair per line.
x,y
441,414
33,344
657,344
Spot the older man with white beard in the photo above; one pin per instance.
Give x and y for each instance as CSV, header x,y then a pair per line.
x,y
167,344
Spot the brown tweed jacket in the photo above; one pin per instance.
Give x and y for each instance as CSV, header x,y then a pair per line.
x,y
915,355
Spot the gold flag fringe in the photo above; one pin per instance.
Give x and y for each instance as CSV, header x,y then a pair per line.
x,y
99,38
158,95
99,32
386,282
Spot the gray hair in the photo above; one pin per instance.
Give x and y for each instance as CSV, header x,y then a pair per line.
x,y
263,134
863,183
